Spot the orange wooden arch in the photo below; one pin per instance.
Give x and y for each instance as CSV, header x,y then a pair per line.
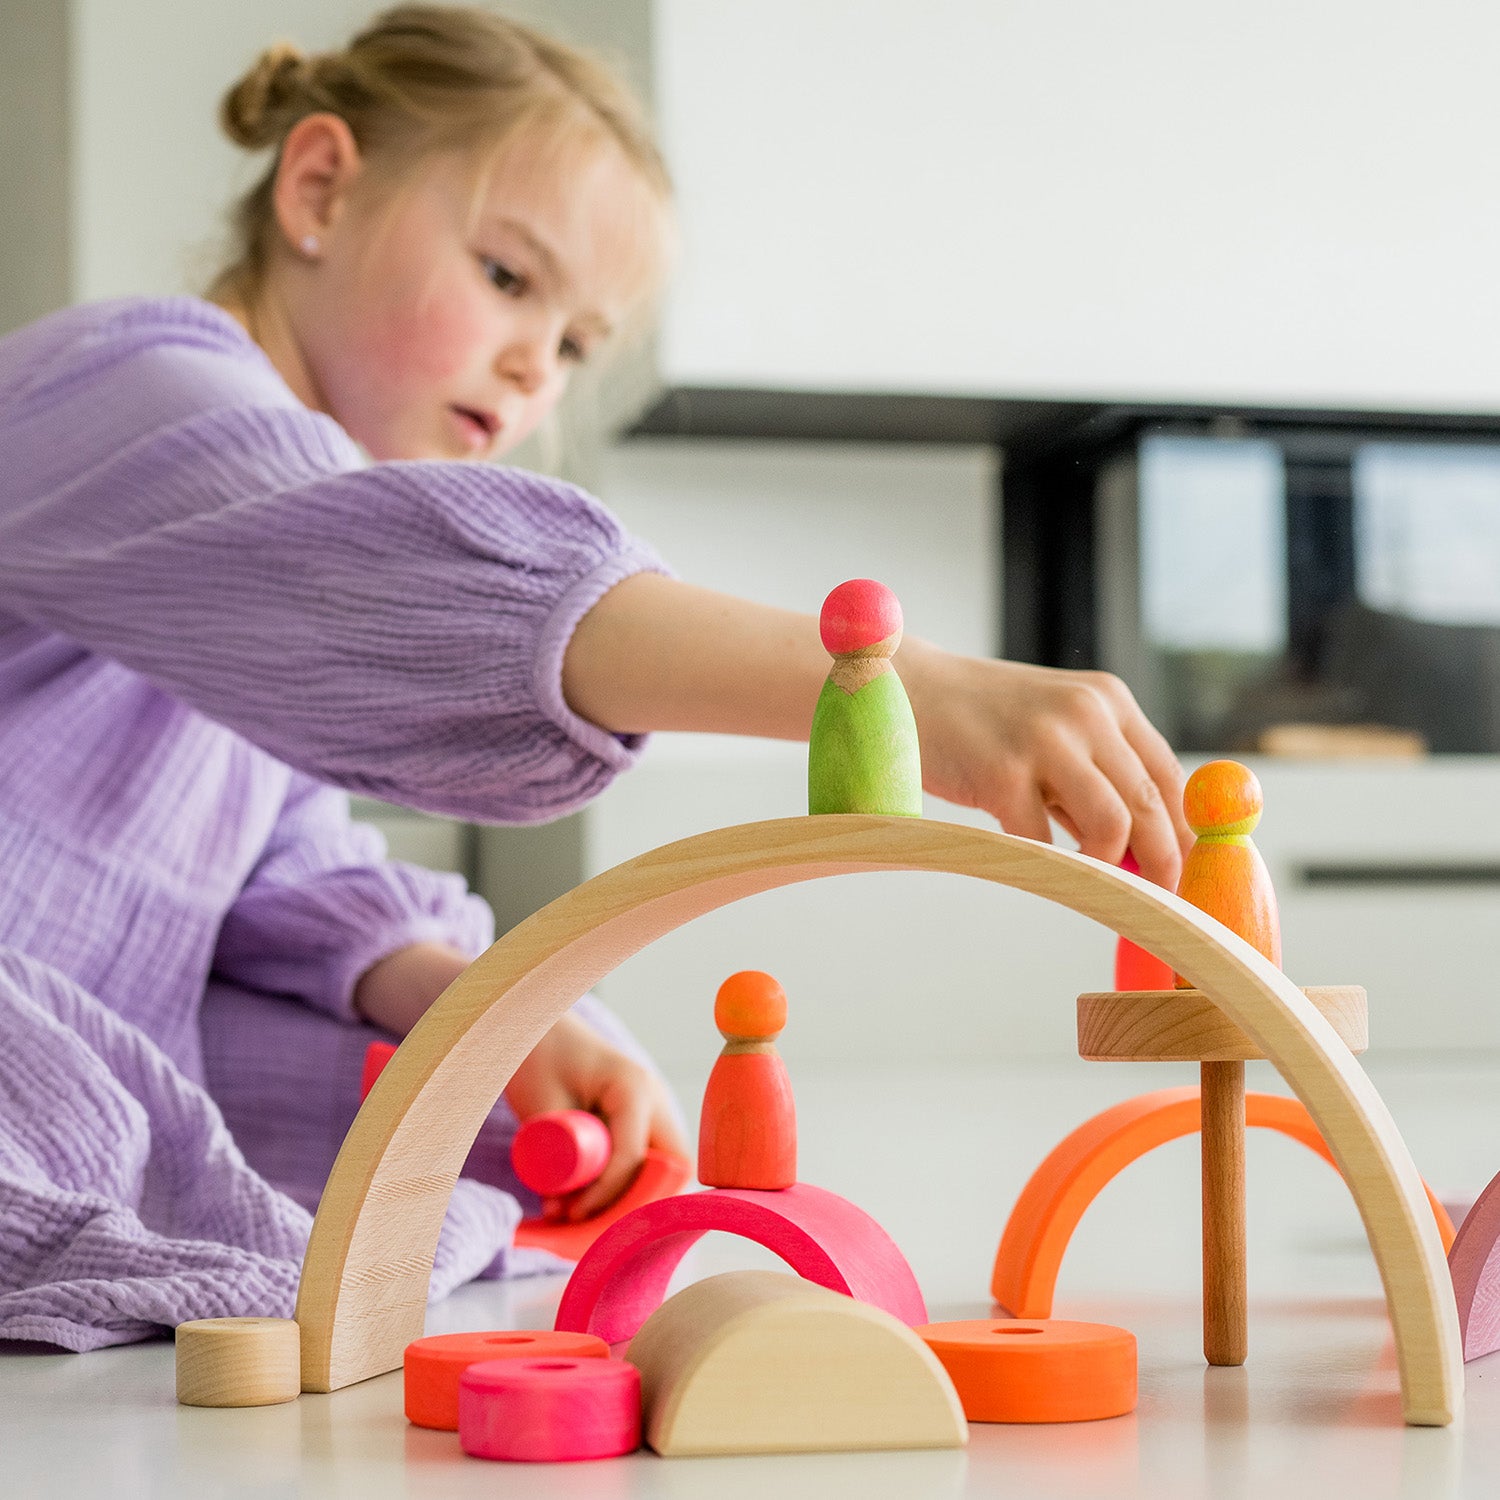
x,y
363,1293
1083,1163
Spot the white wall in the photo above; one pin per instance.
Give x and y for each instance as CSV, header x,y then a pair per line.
x,y
34,250
1279,202
152,174
785,522
1283,202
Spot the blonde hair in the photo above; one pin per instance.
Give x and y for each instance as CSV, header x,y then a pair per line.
x,y
421,80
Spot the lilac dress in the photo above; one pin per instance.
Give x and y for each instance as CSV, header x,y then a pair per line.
x,y
216,620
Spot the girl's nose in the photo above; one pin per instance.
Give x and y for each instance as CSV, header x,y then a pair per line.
x,y
530,359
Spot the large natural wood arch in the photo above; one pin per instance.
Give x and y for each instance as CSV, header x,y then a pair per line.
x,y
364,1279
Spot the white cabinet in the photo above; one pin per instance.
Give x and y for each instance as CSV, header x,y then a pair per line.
x,y
1276,204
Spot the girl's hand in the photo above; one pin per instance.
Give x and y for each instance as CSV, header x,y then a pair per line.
x,y
573,1067
1027,743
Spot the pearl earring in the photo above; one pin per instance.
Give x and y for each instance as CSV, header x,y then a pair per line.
x,y
309,245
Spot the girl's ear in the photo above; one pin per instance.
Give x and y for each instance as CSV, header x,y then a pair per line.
x,y
318,165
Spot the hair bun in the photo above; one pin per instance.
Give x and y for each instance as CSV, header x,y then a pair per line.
x,y
257,109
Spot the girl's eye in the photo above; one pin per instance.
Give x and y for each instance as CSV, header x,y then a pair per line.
x,y
572,352
502,276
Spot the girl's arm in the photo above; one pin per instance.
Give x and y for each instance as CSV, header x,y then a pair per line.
x,y
1020,742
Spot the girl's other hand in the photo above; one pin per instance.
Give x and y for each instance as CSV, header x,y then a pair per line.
x,y
573,1067
1027,743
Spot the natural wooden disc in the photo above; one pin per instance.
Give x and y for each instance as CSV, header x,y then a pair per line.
x,y
238,1362
1186,1026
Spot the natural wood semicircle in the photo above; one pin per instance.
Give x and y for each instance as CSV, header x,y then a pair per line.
x,y
364,1278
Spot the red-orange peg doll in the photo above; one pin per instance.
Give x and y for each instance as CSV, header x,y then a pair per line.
x,y
1224,874
747,1133
1135,969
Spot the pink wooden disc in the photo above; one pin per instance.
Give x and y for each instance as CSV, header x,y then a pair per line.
x,y
561,1151
550,1410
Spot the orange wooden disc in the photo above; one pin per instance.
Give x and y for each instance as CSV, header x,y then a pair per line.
x,y
433,1366
1036,1369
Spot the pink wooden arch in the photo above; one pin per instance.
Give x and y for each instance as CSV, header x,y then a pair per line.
x,y
623,1277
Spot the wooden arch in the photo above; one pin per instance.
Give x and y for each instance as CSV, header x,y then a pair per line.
x,y
364,1278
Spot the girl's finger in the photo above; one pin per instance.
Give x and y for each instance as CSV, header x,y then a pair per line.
x,y
1020,810
1086,801
1151,834
627,1112
1158,758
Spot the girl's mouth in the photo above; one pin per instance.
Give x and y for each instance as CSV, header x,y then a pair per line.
x,y
479,428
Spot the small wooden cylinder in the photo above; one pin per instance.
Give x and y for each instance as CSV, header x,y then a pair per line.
x,y
238,1362
1225,1340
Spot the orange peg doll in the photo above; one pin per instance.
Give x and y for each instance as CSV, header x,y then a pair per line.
x,y
1224,874
747,1133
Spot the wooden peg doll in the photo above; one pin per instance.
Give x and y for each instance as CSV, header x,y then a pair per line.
x,y
747,1133
862,754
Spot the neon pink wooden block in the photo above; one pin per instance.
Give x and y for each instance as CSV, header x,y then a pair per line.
x,y
549,1410
377,1055
560,1151
622,1278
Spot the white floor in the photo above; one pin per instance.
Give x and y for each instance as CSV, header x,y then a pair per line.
x,y
938,1158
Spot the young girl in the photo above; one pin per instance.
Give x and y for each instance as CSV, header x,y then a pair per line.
x,y
217,617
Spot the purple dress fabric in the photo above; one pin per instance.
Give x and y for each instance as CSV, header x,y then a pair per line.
x,y
216,620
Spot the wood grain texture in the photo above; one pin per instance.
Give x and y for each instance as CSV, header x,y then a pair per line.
x,y
762,1362
1222,1099
238,1362
1186,1026
364,1281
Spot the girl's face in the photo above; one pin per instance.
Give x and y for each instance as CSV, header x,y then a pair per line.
x,y
434,323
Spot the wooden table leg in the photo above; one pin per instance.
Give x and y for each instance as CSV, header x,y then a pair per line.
x,y
1223,1144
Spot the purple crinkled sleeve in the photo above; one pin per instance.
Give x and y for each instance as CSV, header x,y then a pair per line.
x,y
396,629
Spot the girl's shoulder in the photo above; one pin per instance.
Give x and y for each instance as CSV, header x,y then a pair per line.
x,y
101,340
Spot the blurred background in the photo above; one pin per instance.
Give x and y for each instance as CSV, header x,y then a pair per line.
x,y
1160,338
